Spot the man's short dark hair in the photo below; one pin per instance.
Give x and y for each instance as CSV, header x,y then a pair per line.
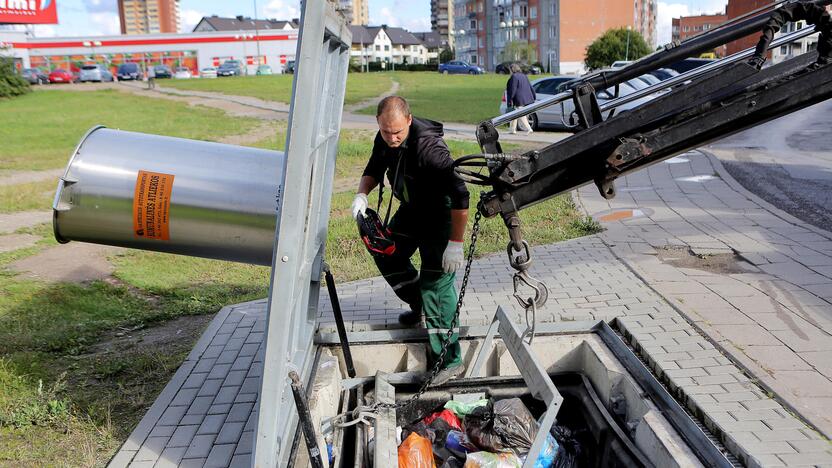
x,y
393,104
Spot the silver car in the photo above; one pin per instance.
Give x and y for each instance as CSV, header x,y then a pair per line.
x,y
95,72
559,116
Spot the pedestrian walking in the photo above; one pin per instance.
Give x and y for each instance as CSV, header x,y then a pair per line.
x,y
432,214
519,93
151,77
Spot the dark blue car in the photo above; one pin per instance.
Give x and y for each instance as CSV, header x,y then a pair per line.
x,y
460,67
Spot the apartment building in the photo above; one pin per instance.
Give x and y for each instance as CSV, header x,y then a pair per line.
x,y
688,26
486,32
356,11
148,16
442,19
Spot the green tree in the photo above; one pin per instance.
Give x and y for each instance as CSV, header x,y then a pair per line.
x,y
519,51
616,44
11,84
446,55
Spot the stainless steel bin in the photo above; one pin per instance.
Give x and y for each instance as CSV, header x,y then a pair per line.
x,y
170,195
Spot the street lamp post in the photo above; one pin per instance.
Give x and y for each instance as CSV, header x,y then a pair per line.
x,y
244,37
627,50
256,33
510,26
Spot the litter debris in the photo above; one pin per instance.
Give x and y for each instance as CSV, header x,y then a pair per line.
x,y
448,416
416,452
492,460
462,408
501,426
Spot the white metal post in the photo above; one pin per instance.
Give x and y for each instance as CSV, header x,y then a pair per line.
x,y
322,61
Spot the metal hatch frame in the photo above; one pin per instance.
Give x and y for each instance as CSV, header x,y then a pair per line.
x,y
304,196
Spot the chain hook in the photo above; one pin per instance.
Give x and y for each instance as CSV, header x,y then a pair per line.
x,y
530,324
541,292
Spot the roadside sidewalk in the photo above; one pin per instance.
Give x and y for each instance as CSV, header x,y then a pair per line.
x,y
755,280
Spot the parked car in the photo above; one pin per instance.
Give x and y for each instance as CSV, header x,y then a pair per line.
x,y
460,67
208,72
35,75
650,79
162,71
620,64
558,115
290,67
689,64
264,70
61,76
95,72
543,87
182,73
230,68
504,68
664,73
129,71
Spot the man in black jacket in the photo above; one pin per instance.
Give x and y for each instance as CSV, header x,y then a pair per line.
x,y
431,217
519,93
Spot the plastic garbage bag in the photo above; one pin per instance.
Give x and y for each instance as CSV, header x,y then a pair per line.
x,y
418,427
547,455
416,452
446,415
453,462
569,450
501,426
459,444
463,409
492,460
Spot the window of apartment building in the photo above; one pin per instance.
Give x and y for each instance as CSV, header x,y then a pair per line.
x,y
479,6
533,34
784,50
533,12
524,11
378,47
473,24
481,42
480,26
473,59
387,48
552,9
551,32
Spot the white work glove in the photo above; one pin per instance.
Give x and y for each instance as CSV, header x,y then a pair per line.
x,y
452,258
359,205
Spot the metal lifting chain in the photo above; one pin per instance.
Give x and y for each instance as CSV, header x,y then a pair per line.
x,y
360,413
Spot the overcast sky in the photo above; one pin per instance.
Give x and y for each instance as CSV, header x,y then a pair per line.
x,y
100,17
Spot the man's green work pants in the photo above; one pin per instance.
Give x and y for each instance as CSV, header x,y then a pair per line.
x,y
429,289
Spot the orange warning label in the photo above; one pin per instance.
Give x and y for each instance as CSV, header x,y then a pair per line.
x,y
151,205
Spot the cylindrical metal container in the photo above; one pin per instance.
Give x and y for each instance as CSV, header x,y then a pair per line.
x,y
170,195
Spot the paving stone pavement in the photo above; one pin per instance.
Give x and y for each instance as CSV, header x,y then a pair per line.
x,y
774,315
587,282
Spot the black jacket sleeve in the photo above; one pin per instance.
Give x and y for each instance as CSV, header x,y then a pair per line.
x,y
436,159
376,165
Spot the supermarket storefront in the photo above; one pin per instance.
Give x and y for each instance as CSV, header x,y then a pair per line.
x,y
193,50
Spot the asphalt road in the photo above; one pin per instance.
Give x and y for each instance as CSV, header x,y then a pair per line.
x,y
787,162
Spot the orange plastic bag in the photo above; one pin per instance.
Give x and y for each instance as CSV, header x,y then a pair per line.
x,y
416,452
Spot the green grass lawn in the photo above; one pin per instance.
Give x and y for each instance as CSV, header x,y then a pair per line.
x,y
72,383
41,129
446,98
450,98
279,87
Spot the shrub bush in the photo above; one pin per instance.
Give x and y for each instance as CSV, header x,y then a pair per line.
x,y
11,84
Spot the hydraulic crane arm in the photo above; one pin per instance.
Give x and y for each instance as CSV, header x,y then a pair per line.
x,y
706,104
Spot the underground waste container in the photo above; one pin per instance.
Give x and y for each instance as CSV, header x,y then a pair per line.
x,y
171,195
